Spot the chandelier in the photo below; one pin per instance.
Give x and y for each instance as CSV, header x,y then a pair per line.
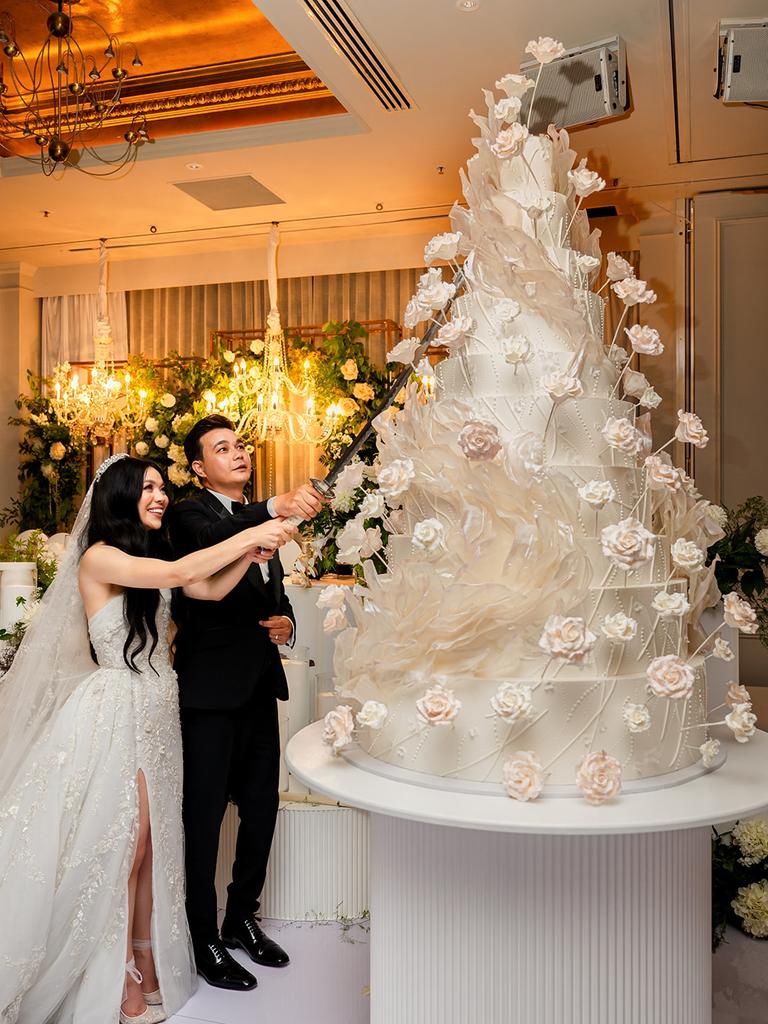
x,y
62,98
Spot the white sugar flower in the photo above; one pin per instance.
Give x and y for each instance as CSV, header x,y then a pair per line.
x,y
479,440
396,478
332,597
586,263
690,429
373,542
761,541
334,620
633,291
372,715
514,85
628,544
597,493
372,506
414,313
739,613
687,555
338,727
349,541
650,398
709,752
507,109
670,676
644,340
522,776
741,722
634,383
621,434
637,717
516,349
429,535
598,776
584,181
567,637
723,650
510,141
618,356
737,693
619,627
512,702
438,706
442,247
662,475
560,386
350,478
454,333
545,49
433,291
670,605
618,268
404,351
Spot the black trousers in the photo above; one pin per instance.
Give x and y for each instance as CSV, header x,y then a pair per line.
x,y
228,755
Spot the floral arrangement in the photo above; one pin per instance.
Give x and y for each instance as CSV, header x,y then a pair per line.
x,y
741,556
32,546
740,880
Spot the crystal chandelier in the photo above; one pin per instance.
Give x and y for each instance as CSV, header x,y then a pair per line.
x,y
63,96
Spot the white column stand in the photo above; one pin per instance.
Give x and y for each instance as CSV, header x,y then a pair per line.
x,y
498,928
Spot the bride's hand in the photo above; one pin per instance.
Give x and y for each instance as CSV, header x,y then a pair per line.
x,y
260,555
272,534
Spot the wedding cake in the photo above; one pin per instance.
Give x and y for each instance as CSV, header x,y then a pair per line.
x,y
532,625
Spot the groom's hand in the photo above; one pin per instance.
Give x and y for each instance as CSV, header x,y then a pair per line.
x,y
260,555
279,628
304,502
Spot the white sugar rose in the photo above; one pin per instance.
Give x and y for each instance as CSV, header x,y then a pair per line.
x,y
349,370
454,333
560,386
332,597
142,448
433,291
442,247
396,478
670,676
598,776
619,627
761,541
597,493
618,356
372,506
709,752
741,722
644,340
637,717
57,451
479,440
751,905
628,544
670,605
545,49
363,392
633,291
338,727
618,268
690,429
372,715
567,637
687,555
438,706
739,614
584,181
404,351
587,264
334,620
661,475
429,535
634,383
373,541
522,776
151,424
516,349
168,400
349,541
650,398
737,693
723,650
350,478
525,453
413,314
508,109
510,141
514,85
162,441
621,434
751,837
512,702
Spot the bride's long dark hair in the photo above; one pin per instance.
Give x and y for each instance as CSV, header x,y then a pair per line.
x,y
114,519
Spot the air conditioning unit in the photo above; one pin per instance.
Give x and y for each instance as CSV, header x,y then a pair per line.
x,y
742,64
587,84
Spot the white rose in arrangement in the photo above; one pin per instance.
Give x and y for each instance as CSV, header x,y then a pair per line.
x,y
512,702
567,637
739,614
334,620
454,333
479,440
584,181
717,514
510,141
349,370
633,291
349,540
737,693
621,434
167,400
619,627
723,650
373,542
618,268
507,109
151,424
438,706
670,676
142,448
332,597
372,715
545,49
396,478
628,544
634,383
414,313
404,351
178,475
644,340
525,453
372,506
442,247
506,309
522,776
514,85
637,717
741,722
751,837
162,441
687,555
363,392
560,386
650,398
585,263
228,355
709,752
751,905
57,451
690,429
429,535
761,541
670,605
433,291
338,728
662,475
351,477
516,349
598,776
597,493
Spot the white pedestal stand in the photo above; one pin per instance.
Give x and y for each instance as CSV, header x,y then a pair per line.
x,y
489,911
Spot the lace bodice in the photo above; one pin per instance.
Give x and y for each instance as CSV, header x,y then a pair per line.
x,y
108,631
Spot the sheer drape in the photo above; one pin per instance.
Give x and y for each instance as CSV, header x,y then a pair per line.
x,y
68,325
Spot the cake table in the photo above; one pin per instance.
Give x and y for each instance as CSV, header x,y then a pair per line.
x,y
488,911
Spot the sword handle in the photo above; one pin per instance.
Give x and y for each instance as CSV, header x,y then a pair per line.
x,y
322,488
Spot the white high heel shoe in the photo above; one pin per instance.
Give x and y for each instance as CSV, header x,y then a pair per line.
x,y
151,1014
150,998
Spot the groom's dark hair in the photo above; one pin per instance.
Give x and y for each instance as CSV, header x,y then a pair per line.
x,y
193,448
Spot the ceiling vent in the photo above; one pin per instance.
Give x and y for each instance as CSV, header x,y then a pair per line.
x,y
349,39
742,65
234,193
587,84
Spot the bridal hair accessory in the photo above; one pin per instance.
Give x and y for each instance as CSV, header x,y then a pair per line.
x,y
117,457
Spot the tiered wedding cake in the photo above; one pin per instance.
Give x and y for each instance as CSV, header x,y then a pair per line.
x,y
536,625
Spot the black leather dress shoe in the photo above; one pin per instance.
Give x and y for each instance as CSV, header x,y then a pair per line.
x,y
220,969
247,934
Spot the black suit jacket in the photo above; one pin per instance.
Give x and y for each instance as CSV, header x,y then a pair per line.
x,y
222,653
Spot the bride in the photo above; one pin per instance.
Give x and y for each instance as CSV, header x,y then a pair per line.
x,y
91,862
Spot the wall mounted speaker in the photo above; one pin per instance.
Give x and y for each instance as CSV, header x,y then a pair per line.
x,y
742,65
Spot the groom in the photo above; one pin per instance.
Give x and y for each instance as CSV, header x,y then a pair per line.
x,y
230,678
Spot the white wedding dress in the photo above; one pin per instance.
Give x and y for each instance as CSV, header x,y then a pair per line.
x,y
67,834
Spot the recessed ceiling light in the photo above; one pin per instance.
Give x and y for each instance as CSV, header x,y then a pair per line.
x,y
194,167
467,6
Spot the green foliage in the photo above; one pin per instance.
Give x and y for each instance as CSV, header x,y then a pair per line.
x,y
31,549
740,566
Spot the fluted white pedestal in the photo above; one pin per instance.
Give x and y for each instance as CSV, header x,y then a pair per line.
x,y
484,910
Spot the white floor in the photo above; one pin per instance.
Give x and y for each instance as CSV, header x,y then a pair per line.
x,y
325,983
